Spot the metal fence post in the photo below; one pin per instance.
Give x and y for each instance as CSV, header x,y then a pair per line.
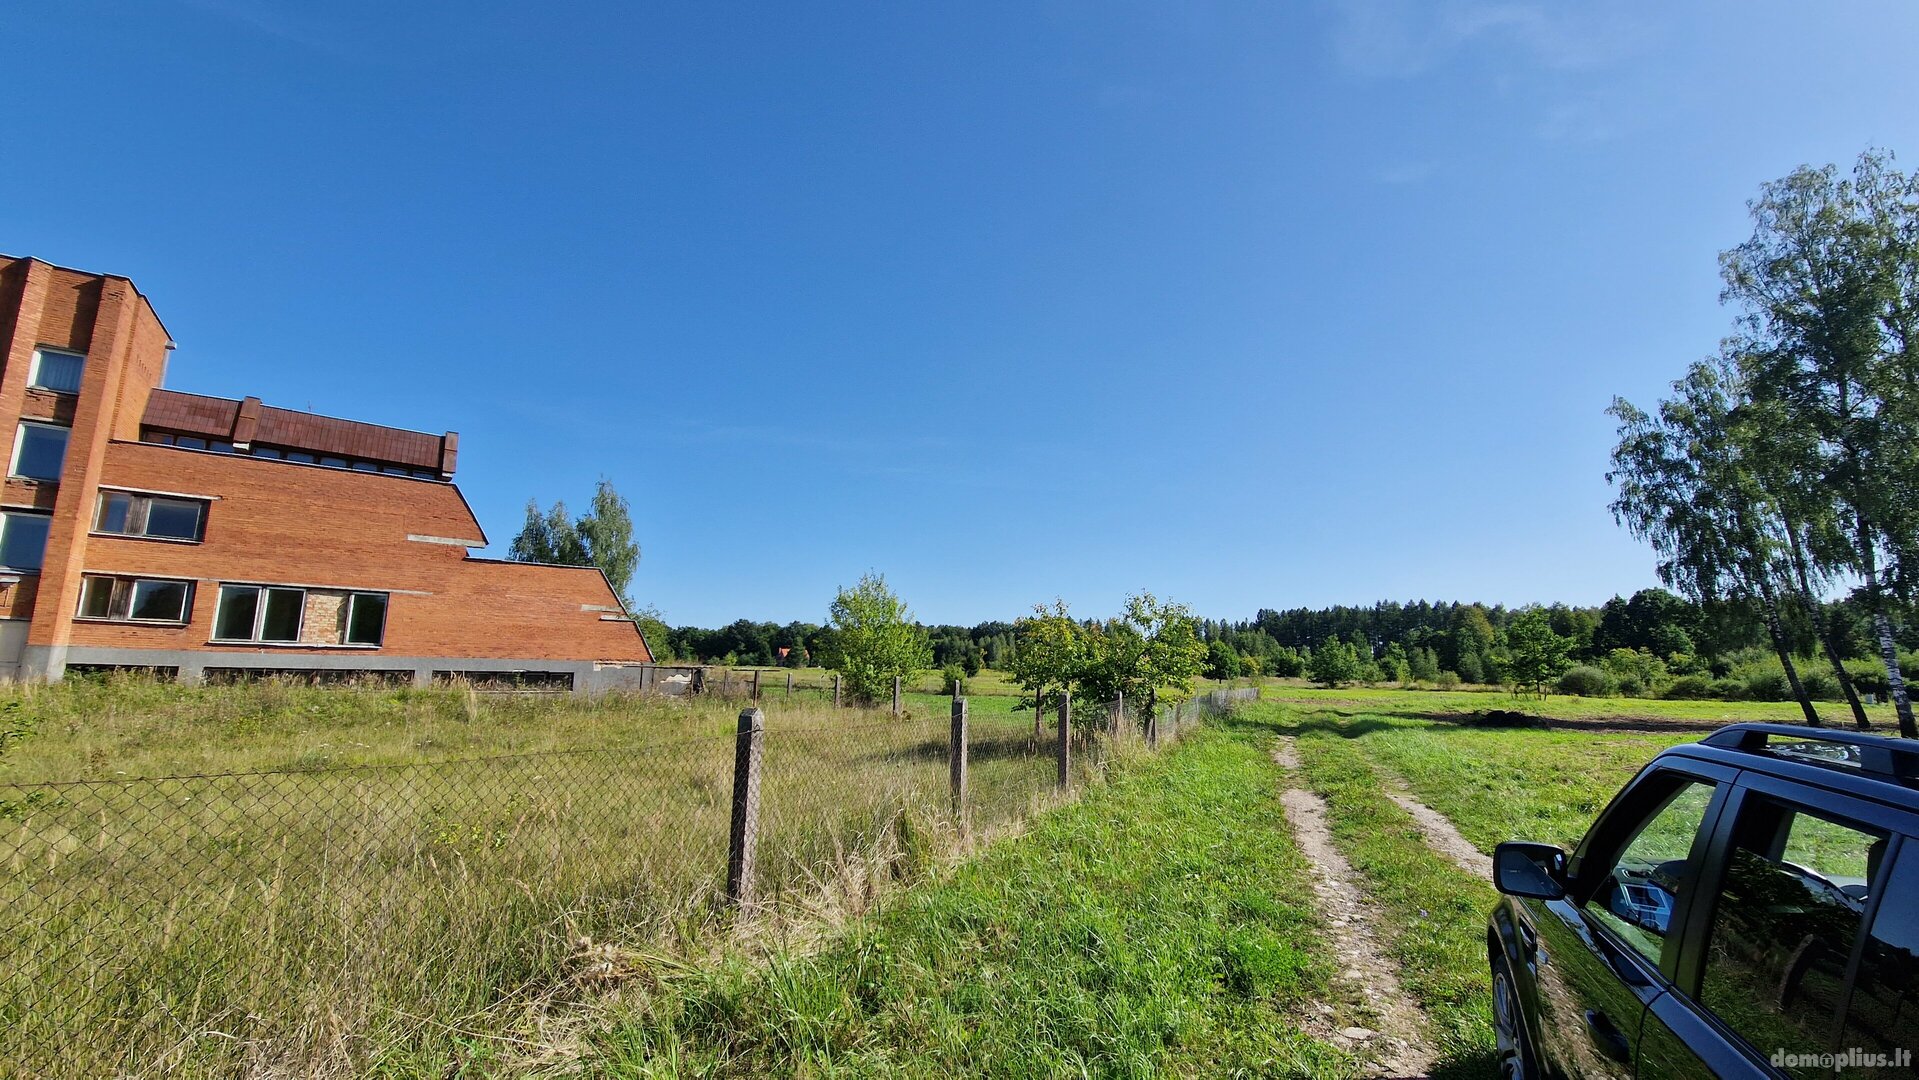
x,y
896,697
743,839
956,762
836,690
1065,726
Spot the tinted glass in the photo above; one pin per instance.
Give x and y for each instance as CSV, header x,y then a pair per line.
x,y
96,598
41,453
282,622
1783,927
53,370
114,506
366,621
160,600
238,606
23,540
175,519
1884,1015
1638,897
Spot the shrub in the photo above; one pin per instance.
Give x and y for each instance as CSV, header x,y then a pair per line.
x,y
1821,685
1587,681
950,677
1729,689
1631,686
1690,688
1447,681
1768,685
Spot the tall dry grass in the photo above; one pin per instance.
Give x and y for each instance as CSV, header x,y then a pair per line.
x,y
283,880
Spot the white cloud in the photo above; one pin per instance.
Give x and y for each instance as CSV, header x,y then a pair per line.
x,y
1396,39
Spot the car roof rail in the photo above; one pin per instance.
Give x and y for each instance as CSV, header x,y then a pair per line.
x,y
1878,754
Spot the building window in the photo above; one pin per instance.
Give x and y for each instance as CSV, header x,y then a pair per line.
x,y
258,613
39,451
124,513
23,540
125,599
56,369
366,619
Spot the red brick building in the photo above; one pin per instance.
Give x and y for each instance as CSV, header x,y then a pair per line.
x,y
198,536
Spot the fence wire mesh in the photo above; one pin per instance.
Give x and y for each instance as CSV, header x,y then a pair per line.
x,y
334,921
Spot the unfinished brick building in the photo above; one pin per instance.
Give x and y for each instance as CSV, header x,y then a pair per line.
x,y
199,537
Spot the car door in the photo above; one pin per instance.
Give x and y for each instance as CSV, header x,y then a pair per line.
x,y
1763,975
1596,954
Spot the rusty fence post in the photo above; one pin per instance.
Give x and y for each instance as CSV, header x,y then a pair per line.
x,y
896,697
836,690
1065,744
743,839
956,763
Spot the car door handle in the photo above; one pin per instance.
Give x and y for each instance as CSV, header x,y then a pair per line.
x,y
1611,1041
1528,938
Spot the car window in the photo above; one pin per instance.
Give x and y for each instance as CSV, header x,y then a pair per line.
x,y
1637,897
1783,927
1883,1018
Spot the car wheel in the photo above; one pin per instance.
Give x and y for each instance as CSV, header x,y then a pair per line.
x,y
1509,1025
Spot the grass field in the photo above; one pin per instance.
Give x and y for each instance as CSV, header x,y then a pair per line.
x,y
308,881
412,883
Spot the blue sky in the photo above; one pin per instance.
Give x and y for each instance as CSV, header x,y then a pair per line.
x,y
1255,305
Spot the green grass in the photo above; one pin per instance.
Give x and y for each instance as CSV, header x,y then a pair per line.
x,y
1445,703
1433,913
1162,925
420,864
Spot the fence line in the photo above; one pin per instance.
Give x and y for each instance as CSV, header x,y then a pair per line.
x,y
317,922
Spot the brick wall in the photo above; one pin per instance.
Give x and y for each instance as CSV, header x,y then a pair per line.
x,y
275,522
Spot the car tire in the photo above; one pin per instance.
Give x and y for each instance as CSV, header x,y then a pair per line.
x,y
1515,1052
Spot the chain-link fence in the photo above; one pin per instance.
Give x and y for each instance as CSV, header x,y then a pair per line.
x,y
342,920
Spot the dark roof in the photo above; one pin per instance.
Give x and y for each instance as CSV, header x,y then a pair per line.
x,y
217,418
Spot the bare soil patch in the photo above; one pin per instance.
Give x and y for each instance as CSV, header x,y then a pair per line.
x,y
1398,1048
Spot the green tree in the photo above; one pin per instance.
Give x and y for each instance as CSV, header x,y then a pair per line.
x,y
1332,663
602,537
1221,661
876,639
1829,344
1049,651
1535,656
1150,652
1688,486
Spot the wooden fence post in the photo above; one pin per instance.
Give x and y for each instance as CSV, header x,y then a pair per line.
x,y
1065,745
896,697
1152,723
789,686
836,690
1119,715
956,763
756,683
743,839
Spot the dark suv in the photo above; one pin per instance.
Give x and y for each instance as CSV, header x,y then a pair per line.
x,y
1747,906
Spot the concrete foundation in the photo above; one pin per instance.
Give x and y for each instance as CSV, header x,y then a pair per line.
x,y
41,663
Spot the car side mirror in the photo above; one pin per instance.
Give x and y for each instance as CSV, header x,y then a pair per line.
x,y
1533,871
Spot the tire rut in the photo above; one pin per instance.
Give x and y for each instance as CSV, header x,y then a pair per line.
x,y
1441,834
1400,1047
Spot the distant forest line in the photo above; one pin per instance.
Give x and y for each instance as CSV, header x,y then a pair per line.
x,y
1417,640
